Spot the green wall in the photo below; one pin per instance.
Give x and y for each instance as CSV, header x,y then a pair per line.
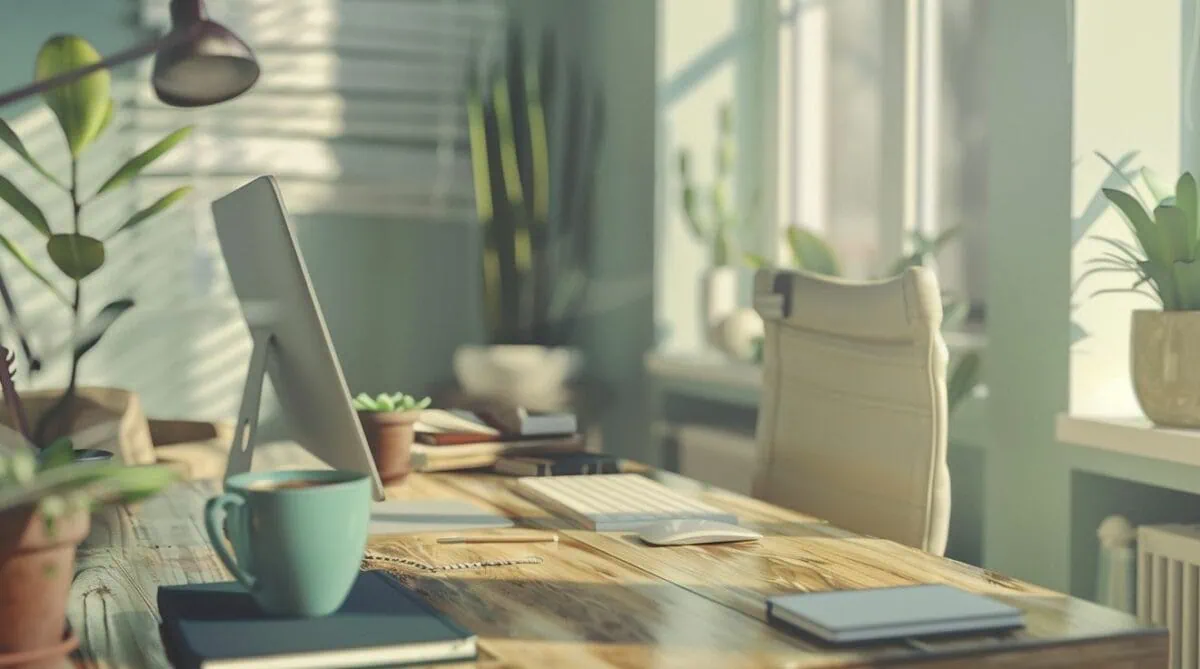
x,y
107,24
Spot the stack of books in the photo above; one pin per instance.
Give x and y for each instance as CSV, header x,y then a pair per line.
x,y
456,439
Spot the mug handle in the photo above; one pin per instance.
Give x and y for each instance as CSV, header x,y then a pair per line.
x,y
215,511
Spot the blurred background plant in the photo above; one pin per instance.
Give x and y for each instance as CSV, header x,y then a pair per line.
x,y
534,135
709,211
812,253
84,111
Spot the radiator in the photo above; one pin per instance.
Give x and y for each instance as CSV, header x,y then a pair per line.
x,y
718,457
1168,587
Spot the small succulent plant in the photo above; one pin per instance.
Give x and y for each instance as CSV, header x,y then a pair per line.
x,y
385,402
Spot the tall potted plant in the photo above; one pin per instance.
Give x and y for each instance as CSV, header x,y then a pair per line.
x,y
710,217
84,110
534,135
1165,341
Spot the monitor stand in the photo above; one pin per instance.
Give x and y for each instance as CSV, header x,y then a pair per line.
x,y
387,517
241,452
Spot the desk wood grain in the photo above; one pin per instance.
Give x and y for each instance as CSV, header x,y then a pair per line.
x,y
604,599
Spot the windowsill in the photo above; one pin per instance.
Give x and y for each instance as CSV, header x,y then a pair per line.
x,y
1134,436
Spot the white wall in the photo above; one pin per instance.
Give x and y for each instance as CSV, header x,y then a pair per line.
x,y
1127,99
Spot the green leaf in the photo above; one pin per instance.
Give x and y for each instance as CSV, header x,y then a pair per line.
x,y
1162,279
88,337
363,402
109,112
954,312
139,162
963,379
158,207
1187,280
81,105
60,452
1187,201
75,254
385,403
18,253
14,142
755,261
1175,232
1148,235
24,206
811,253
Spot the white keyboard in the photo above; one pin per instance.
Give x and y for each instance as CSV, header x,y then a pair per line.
x,y
614,502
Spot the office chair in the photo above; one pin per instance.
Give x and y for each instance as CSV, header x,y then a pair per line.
x,y
852,424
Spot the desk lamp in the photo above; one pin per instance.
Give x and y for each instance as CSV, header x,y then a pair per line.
x,y
198,63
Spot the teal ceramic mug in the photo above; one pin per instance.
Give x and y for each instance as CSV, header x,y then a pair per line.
x,y
298,536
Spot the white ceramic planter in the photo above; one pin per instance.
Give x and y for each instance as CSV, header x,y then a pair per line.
x,y
1165,356
534,377
718,299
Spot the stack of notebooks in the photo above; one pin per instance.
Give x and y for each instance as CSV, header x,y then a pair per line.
x,y
455,439
382,623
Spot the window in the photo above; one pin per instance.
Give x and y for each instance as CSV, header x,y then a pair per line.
x,y
879,130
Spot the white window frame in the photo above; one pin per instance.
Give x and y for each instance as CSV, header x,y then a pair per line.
x,y
794,57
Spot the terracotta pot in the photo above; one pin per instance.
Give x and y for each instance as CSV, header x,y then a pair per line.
x,y
390,436
37,565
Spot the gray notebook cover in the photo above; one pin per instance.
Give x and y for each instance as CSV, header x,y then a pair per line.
x,y
886,613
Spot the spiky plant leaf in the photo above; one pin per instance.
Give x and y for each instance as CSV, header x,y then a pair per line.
x,y
1176,233
1148,235
384,402
964,378
60,452
1187,281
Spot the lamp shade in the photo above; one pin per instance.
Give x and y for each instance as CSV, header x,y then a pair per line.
x,y
207,66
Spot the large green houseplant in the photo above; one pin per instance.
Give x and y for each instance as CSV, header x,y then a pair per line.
x,y
84,111
1164,266
534,127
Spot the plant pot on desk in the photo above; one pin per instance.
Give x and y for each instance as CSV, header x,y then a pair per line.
x,y
1165,352
37,565
390,437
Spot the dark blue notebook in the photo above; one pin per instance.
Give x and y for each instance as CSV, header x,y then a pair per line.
x,y
382,623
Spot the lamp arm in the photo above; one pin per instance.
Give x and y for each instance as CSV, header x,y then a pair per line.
x,y
170,39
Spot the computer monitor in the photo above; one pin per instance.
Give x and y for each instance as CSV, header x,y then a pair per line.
x,y
291,342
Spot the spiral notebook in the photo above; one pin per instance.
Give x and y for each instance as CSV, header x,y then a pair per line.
x,y
878,614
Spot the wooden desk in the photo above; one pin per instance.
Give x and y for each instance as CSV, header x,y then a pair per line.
x,y
604,600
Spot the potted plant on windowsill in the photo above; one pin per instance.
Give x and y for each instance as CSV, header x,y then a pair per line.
x,y
1165,342
388,423
712,221
46,498
84,110
534,135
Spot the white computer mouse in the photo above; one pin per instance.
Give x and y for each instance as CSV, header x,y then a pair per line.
x,y
694,531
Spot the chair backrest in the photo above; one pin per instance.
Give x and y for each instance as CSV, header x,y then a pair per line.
x,y
852,422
